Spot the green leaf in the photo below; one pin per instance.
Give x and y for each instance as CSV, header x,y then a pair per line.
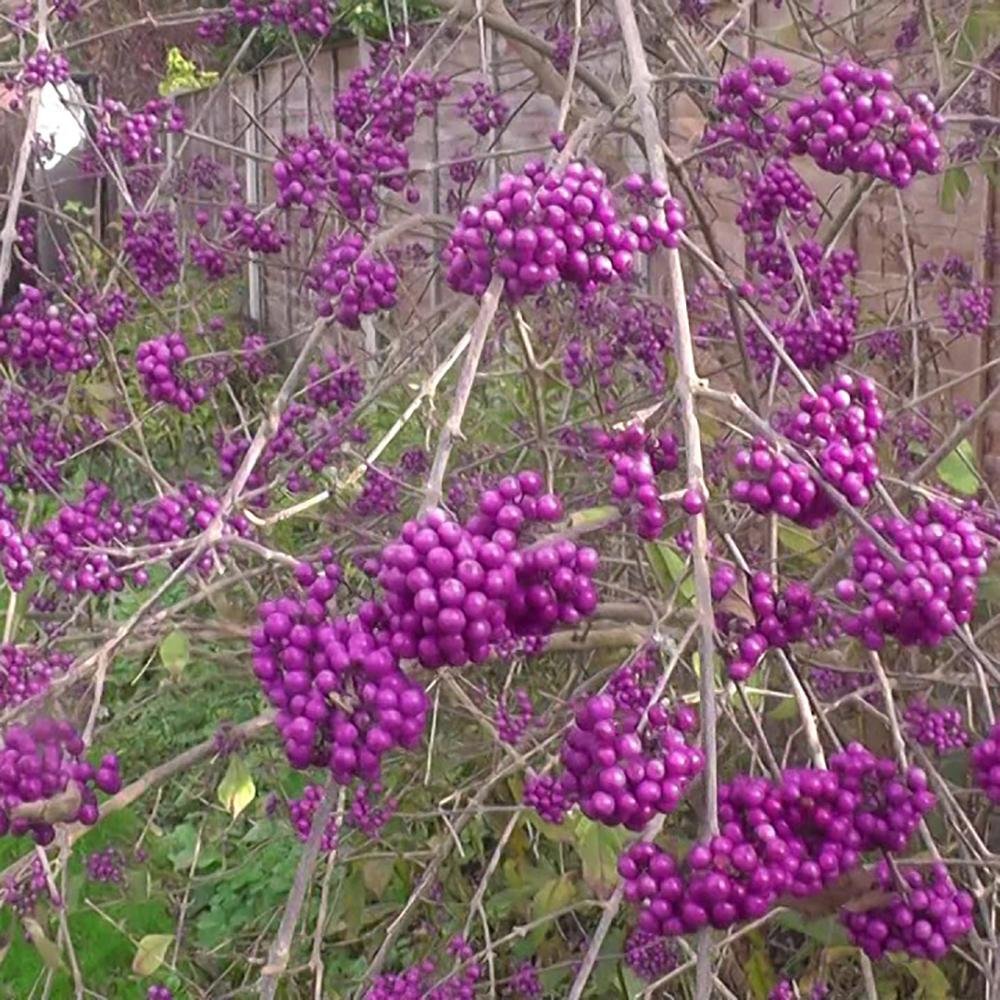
x,y
799,541
103,391
784,711
552,897
670,569
932,982
959,471
759,972
150,953
376,874
236,790
599,846
47,950
175,653
354,903
561,833
979,26
593,517
954,183
989,588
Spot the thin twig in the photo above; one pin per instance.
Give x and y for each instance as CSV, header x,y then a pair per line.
x,y
453,425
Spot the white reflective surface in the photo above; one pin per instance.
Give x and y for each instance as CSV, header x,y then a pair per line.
x,y
60,118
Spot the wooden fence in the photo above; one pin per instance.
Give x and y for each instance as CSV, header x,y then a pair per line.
x,y
243,123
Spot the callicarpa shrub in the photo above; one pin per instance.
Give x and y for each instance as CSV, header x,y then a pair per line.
x,y
498,507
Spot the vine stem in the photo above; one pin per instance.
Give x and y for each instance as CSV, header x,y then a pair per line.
x,y
687,382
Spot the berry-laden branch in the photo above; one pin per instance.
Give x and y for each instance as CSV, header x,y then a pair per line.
x,y
697,495
252,729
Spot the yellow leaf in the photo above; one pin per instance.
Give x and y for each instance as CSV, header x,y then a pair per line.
x,y
150,953
236,790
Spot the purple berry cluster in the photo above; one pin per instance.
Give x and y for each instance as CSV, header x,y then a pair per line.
x,y
860,124
626,759
777,189
43,760
365,815
150,247
547,796
307,442
930,593
379,494
157,991
34,440
819,332
483,109
301,812
649,955
743,101
414,983
27,238
107,865
255,357
985,764
22,891
335,385
41,67
15,555
781,618
524,983
790,837
545,225
885,344
313,18
158,362
350,282
185,514
772,483
830,684
966,312
925,917
839,428
637,457
26,672
75,548
342,699
134,136
454,592
942,729
36,335
211,260
246,230
513,722
615,330
377,114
